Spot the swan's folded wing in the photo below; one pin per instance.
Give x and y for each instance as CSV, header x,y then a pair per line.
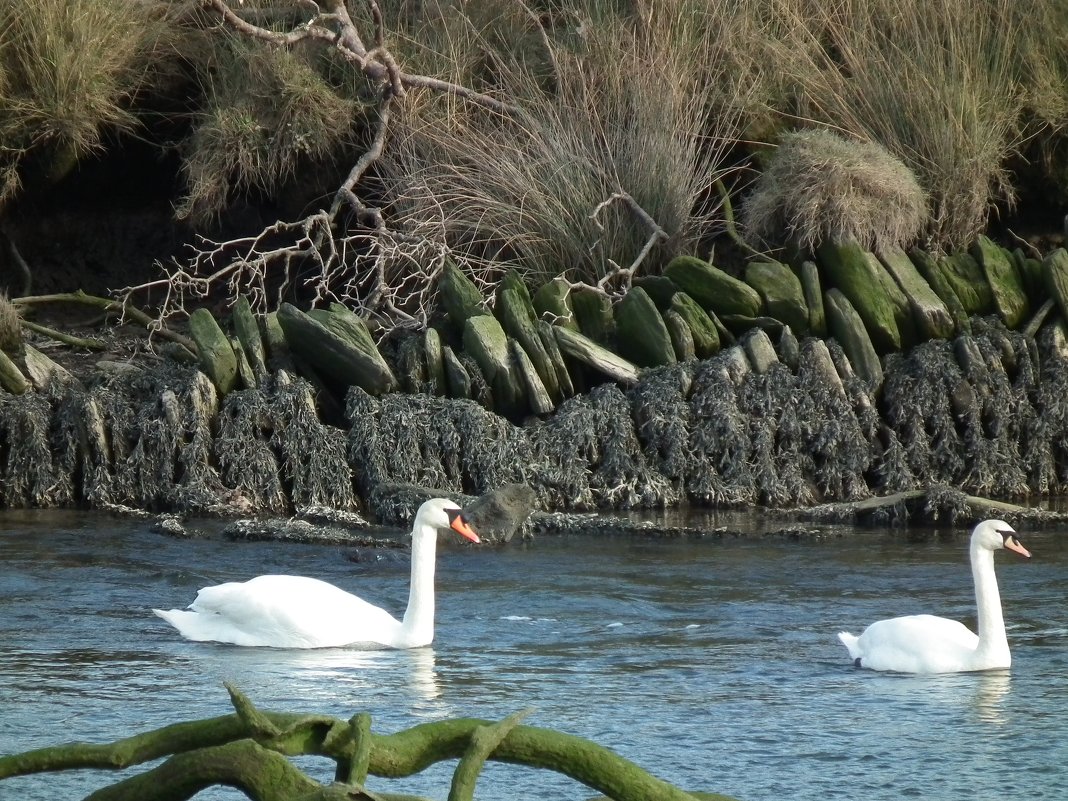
x,y
291,611
916,644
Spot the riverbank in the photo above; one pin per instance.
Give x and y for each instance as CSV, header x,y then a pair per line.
x,y
981,414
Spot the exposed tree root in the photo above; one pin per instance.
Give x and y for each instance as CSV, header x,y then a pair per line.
x,y
248,750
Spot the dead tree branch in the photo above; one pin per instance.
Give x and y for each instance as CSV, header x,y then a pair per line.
x,y
345,252
624,276
248,750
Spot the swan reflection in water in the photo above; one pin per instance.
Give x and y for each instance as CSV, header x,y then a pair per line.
x,y
331,673
991,690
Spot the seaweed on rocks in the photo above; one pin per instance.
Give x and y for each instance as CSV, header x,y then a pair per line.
x,y
453,445
480,388
563,451
143,439
1048,432
29,476
892,473
947,503
314,466
923,395
833,441
199,486
768,400
661,411
589,457
621,477
719,438
247,463
367,456
993,458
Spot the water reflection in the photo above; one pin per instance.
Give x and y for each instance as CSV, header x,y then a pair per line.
x,y
991,691
412,670
320,676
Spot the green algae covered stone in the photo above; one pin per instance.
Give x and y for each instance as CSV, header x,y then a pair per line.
x,y
849,329
702,327
642,336
871,291
781,290
714,289
1010,299
929,312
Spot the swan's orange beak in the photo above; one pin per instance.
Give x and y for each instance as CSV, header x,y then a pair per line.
x,y
460,526
1013,544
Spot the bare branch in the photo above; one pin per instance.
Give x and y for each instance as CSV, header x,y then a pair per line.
x,y
375,64
623,275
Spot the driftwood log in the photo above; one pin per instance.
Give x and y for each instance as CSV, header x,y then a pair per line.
x,y
248,750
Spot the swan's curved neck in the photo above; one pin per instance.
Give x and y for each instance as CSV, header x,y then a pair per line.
x,y
418,624
992,638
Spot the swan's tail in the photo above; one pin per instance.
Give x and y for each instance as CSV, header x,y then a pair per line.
x,y
850,642
189,624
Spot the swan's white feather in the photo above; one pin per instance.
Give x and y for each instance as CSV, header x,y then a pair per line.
x,y
298,612
912,644
283,612
929,644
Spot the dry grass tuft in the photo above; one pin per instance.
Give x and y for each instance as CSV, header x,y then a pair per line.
x,y
69,71
269,113
937,84
10,325
622,109
820,186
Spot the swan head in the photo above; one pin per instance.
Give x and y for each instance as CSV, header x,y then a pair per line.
x,y
996,534
441,513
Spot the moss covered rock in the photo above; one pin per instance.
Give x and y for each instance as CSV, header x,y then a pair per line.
x,y
966,276
594,315
781,290
516,315
1055,266
1007,289
813,290
929,267
929,312
214,353
871,291
552,303
712,288
459,295
486,342
702,327
848,328
642,336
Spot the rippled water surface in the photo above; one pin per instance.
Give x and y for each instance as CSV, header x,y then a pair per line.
x,y
712,663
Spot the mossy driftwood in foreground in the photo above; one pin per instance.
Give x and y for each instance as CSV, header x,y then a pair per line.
x,y
248,750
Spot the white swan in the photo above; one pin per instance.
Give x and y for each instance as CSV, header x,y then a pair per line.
x,y
298,612
929,644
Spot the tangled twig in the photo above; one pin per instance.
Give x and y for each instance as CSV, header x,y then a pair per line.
x,y
346,253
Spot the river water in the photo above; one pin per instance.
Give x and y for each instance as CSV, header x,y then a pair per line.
x,y
711,662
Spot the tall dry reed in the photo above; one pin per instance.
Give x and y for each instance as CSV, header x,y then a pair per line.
x,y
618,103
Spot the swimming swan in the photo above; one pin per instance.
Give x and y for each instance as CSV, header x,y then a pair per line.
x,y
299,612
929,644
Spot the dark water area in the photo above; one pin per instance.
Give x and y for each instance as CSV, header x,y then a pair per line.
x,y
711,662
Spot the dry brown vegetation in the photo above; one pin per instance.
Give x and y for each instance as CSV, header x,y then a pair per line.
x,y
69,73
491,131
820,186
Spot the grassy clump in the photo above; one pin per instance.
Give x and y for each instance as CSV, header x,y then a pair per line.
x,y
615,104
69,72
938,85
269,113
10,325
820,186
